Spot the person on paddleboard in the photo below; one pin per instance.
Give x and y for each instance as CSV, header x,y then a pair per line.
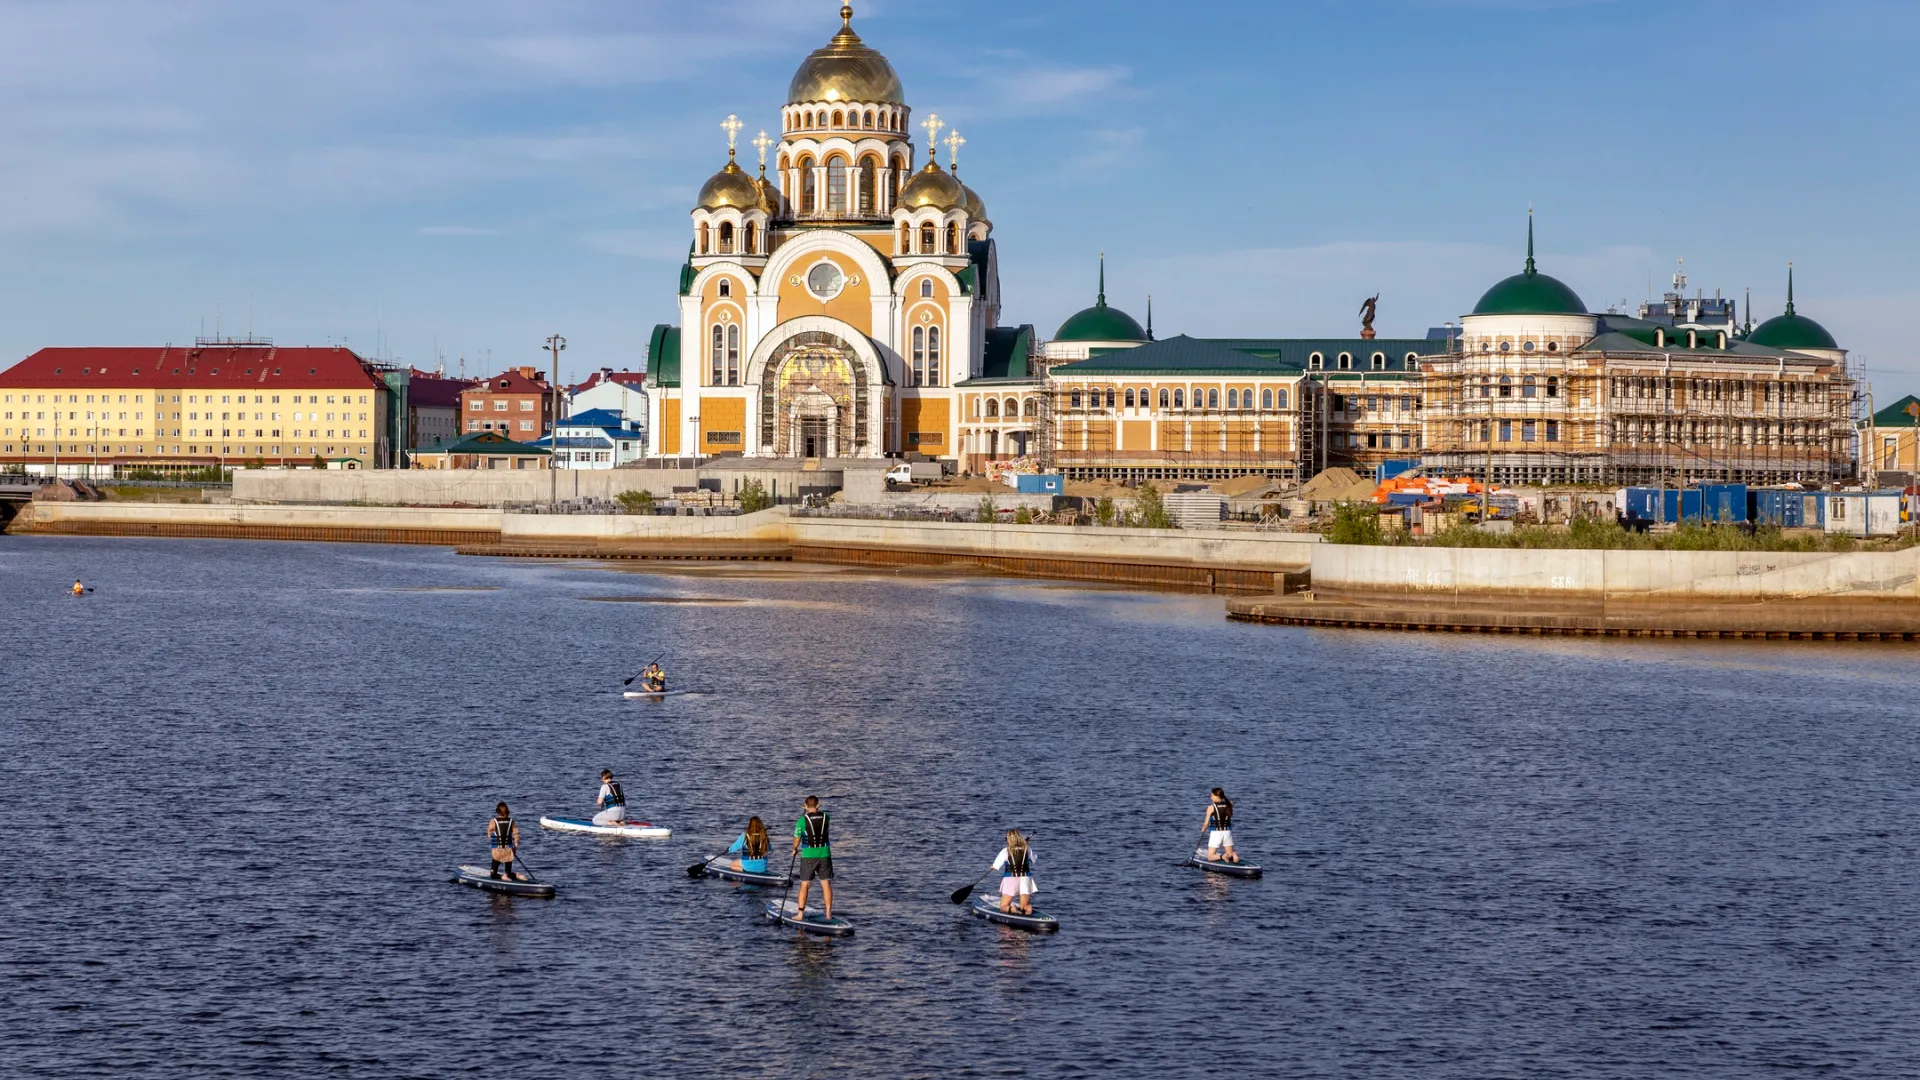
x,y
1015,863
613,801
751,848
811,844
78,589
504,836
654,678
1219,828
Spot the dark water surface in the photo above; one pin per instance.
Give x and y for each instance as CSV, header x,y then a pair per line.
x,y
237,777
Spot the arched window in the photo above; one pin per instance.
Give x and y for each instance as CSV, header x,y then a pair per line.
x,y
953,239
1553,386
1280,400
867,120
1163,397
733,354
1179,398
918,376
1029,408
1012,408
926,288
933,356
1213,398
839,119
1233,398
717,368
1316,361
993,408
703,237
1110,397
1506,386
726,287
809,186
726,238
1266,398
976,408
749,247
837,183
899,177
926,239
1073,400
1346,361
1129,397
1486,386
1526,387
906,240
869,170
1379,361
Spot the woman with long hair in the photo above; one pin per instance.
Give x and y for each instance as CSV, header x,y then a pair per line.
x,y
1015,862
751,848
1219,828
504,836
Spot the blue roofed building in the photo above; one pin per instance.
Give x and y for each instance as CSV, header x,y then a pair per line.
x,y
595,439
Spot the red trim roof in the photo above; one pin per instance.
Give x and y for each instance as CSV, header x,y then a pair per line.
x,y
178,367
636,379
511,382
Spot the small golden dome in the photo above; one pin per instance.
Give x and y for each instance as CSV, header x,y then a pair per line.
x,y
976,208
932,186
844,69
769,196
732,187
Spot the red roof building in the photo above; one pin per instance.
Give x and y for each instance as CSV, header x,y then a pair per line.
x,y
433,408
517,403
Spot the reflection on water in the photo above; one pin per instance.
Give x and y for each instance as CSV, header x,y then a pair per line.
x,y
239,777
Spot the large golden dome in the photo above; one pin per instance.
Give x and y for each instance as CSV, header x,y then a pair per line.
x,y
932,186
730,186
844,69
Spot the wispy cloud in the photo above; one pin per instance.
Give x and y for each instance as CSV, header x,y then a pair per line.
x,y
456,230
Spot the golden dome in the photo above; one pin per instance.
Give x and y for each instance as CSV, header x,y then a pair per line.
x,y
769,195
976,209
732,187
932,186
844,69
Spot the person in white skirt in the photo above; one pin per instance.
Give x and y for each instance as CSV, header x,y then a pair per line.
x,y
1219,828
613,801
1015,862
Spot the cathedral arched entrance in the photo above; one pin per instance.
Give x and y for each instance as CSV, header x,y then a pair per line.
x,y
819,397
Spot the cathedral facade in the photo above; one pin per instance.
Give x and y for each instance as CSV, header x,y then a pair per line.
x,y
829,311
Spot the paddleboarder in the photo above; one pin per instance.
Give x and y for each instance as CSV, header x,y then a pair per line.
x,y
810,843
79,589
505,838
654,678
751,848
1015,862
613,801
1219,828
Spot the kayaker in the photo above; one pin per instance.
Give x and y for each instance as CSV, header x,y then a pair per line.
x,y
654,678
811,844
505,837
78,589
1015,862
613,801
751,847
1219,827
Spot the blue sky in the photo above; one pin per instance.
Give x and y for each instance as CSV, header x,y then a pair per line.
x,y
482,173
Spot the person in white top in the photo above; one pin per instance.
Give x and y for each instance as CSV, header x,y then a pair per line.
x,y
1015,862
613,801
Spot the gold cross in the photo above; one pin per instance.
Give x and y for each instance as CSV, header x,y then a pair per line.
x,y
954,143
933,125
731,125
761,144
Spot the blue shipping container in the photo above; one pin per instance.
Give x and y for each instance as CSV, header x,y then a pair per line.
x,y
1724,503
1038,483
1670,505
1387,470
1788,509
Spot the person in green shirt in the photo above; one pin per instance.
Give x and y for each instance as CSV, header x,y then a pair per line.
x,y
810,843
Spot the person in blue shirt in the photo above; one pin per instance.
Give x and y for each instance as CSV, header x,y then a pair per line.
x,y
751,848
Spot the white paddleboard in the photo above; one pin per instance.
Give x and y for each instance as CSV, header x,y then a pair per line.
x,y
652,693
642,829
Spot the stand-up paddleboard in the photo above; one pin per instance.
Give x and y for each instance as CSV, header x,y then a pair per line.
x,y
988,908
652,695
1222,866
721,868
479,878
782,911
643,829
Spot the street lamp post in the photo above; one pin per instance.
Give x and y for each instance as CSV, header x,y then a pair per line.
x,y
555,345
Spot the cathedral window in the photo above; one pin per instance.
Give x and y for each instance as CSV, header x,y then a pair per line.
x,y
899,176
867,120
726,287
726,238
733,354
1266,398
926,288
1129,398
717,369
918,376
933,356
1163,397
703,238
953,239
839,121
809,186
993,408
869,170
906,240
926,239
750,245
837,184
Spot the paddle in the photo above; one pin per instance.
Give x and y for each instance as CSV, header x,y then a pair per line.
x,y
784,893
960,895
533,877
643,671
700,868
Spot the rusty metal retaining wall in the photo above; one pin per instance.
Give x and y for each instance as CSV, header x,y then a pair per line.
x,y
335,534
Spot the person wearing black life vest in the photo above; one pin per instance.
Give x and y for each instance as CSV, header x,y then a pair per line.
x,y
811,844
1015,862
1219,828
504,837
613,801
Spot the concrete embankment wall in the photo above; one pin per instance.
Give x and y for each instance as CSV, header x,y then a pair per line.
x,y
492,487
373,525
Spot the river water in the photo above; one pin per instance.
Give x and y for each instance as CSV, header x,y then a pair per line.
x,y
237,776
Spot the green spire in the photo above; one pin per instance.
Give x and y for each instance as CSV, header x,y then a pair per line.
x,y
1789,290
1530,268
1102,300
1149,316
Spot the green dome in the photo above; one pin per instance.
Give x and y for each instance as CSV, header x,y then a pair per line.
x,y
1792,332
1530,293
1100,322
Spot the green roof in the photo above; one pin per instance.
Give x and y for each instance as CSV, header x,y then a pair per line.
x,y
1897,414
687,273
1530,292
1792,331
1005,352
1298,352
1641,340
1100,322
1180,355
484,442
663,356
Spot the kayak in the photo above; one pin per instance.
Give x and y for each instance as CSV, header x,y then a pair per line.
x,y
988,908
782,911
1221,866
652,694
722,868
479,878
643,829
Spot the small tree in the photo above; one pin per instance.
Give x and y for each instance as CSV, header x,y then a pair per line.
x,y
319,462
257,463
1152,508
988,513
754,497
635,502
1354,523
1023,516
1105,512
